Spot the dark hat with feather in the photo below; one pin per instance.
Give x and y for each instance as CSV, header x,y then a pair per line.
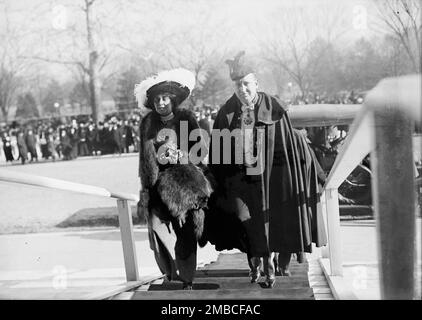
x,y
239,66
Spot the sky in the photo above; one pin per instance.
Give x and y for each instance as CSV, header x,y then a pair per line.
x,y
145,25
241,15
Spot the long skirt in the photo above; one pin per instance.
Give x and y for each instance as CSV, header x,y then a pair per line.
x,y
175,248
8,153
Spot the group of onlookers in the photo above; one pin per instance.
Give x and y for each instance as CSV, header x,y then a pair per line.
x,y
69,141
344,97
46,140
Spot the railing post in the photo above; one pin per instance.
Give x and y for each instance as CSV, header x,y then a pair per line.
x,y
333,229
128,240
393,198
324,250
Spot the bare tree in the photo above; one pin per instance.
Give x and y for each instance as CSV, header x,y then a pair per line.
x,y
214,89
290,44
87,48
201,50
9,84
11,68
402,18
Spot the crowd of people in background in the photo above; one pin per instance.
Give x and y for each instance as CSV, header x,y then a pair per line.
x,y
49,140
343,97
54,140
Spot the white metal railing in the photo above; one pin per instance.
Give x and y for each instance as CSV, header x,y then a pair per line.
x,y
124,210
383,128
322,115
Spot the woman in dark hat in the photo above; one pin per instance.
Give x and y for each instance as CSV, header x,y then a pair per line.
x,y
174,190
7,146
23,150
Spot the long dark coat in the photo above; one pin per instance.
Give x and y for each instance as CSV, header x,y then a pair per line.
x,y
171,193
7,148
31,145
281,200
66,146
74,140
23,150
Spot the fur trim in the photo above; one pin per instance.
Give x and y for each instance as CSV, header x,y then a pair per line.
x,y
148,167
182,76
198,218
184,189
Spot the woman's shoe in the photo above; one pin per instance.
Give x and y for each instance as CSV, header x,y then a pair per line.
x,y
187,286
269,282
285,273
254,276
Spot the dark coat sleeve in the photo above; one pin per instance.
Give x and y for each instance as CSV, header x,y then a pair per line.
x,y
309,165
295,215
148,167
216,156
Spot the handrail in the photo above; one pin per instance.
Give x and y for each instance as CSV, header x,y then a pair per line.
x,y
356,146
322,115
401,93
123,208
51,183
383,127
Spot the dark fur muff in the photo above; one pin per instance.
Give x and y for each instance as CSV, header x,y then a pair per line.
x,y
185,190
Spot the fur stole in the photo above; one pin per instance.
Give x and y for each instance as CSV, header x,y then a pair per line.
x,y
183,188
148,130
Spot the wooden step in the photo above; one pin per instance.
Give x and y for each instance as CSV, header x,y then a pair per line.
x,y
217,283
256,293
239,261
242,273
228,278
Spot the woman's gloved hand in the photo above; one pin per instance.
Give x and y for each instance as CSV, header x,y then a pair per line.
x,y
143,204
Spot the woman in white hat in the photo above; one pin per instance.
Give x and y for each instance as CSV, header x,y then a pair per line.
x,y
173,189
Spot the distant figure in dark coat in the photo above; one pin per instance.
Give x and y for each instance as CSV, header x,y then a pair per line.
x,y
135,130
51,144
92,139
65,145
7,147
74,141
31,144
128,133
83,144
42,136
116,138
106,137
23,150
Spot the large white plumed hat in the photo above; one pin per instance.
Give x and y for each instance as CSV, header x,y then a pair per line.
x,y
179,82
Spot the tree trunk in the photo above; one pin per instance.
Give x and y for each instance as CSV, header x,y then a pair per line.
x,y
4,112
94,87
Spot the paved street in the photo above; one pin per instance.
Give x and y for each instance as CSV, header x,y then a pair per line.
x,y
360,264
34,209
